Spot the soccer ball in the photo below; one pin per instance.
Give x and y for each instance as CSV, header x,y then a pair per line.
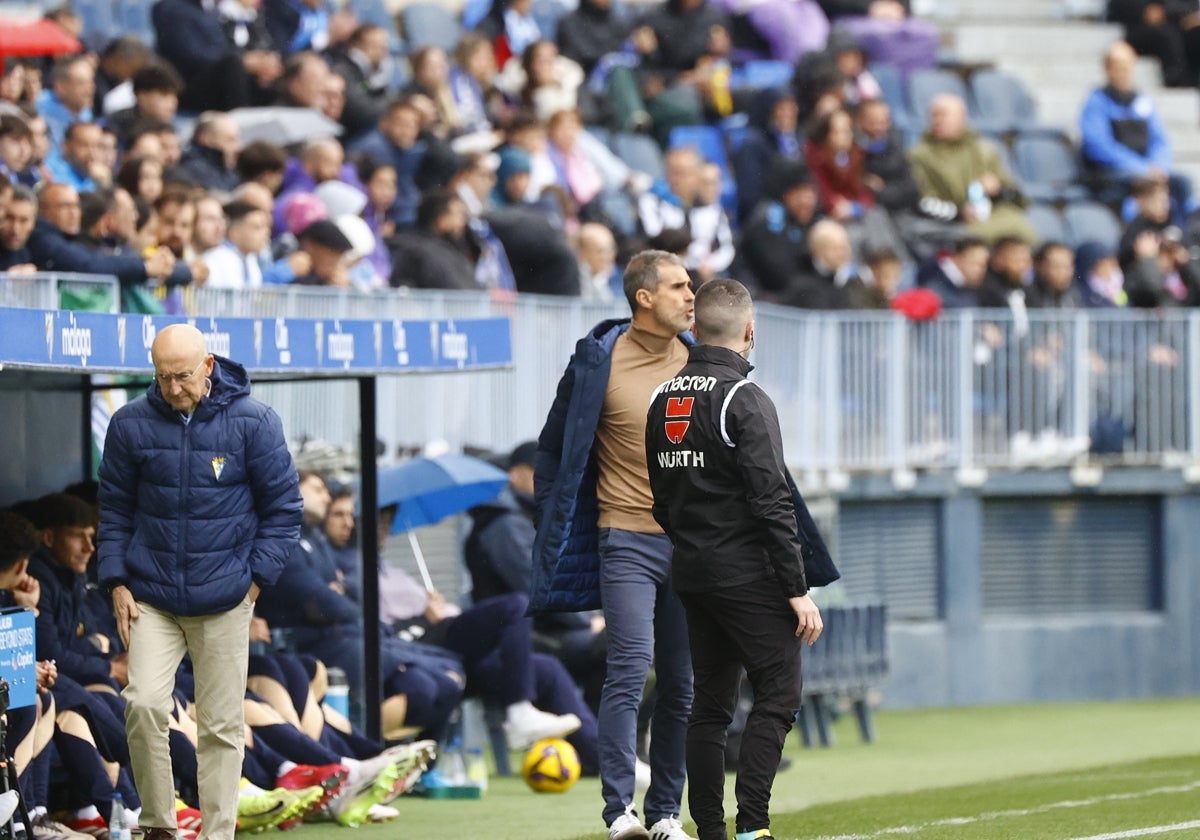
x,y
551,766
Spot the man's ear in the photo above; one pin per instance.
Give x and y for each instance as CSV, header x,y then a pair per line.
x,y
47,537
644,298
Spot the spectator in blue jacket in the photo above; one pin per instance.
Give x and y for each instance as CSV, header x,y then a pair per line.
x,y
1122,136
68,98
200,508
211,159
75,162
396,142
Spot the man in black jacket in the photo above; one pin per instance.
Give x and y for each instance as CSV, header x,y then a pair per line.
x,y
741,546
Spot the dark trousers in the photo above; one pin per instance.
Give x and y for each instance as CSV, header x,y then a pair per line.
x,y
751,627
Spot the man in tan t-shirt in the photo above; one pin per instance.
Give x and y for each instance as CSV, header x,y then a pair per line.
x,y
597,536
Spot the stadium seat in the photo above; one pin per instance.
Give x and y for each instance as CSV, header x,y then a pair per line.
x,y
133,18
99,18
924,85
1001,102
891,83
735,129
1048,166
376,12
548,13
1091,220
427,24
761,74
1048,223
639,152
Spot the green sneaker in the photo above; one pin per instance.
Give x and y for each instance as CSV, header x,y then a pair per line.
x,y
354,810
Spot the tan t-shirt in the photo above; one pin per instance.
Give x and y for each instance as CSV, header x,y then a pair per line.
x,y
640,363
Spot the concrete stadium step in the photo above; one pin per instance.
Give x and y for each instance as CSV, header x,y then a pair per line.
x,y
991,10
1079,74
1051,41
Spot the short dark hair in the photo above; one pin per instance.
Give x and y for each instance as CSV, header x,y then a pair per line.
x,y
882,255
76,127
24,193
62,510
966,243
259,158
18,539
367,166
238,209
157,76
723,307
93,205
433,206
642,273
12,125
1006,242
1046,248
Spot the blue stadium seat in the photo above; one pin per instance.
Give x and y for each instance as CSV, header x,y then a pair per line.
x,y
548,13
133,18
376,12
99,18
1048,166
891,83
761,75
1048,223
925,84
1091,220
1001,102
639,152
427,24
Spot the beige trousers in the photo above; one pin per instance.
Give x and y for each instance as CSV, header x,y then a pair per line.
x,y
219,646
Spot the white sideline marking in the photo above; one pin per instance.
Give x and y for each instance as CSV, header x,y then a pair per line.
x,y
1142,832
1040,809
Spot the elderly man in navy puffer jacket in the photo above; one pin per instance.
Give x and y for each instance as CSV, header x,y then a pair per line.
x,y
200,509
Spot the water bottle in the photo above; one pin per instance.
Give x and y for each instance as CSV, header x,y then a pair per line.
x,y
118,824
452,764
337,692
978,199
477,771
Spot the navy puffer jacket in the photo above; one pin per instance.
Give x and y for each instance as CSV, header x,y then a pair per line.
x,y
191,513
566,555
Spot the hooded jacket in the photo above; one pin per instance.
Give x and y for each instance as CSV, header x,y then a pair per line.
x,y
590,32
193,513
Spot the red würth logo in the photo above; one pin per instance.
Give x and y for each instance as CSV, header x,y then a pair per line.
x,y
678,407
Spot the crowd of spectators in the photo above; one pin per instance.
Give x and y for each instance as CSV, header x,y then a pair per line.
x,y
526,158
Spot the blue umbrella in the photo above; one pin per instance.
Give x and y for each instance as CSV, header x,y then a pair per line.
x,y
427,490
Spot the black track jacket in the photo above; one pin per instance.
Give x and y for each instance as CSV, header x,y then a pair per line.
x,y
721,490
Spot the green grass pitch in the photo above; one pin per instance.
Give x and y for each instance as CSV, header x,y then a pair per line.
x,y
1100,771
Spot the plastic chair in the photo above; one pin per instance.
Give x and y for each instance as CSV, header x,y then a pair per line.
x,y
1048,223
639,152
548,13
375,12
761,74
891,83
426,24
924,85
1048,166
133,18
1001,102
1091,220
98,16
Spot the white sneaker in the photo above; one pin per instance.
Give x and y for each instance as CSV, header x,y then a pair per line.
x,y
382,813
669,828
641,776
628,827
532,726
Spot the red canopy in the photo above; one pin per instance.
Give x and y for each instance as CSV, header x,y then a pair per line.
x,y
38,37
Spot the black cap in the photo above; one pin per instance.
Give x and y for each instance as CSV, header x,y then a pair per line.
x,y
523,454
327,233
